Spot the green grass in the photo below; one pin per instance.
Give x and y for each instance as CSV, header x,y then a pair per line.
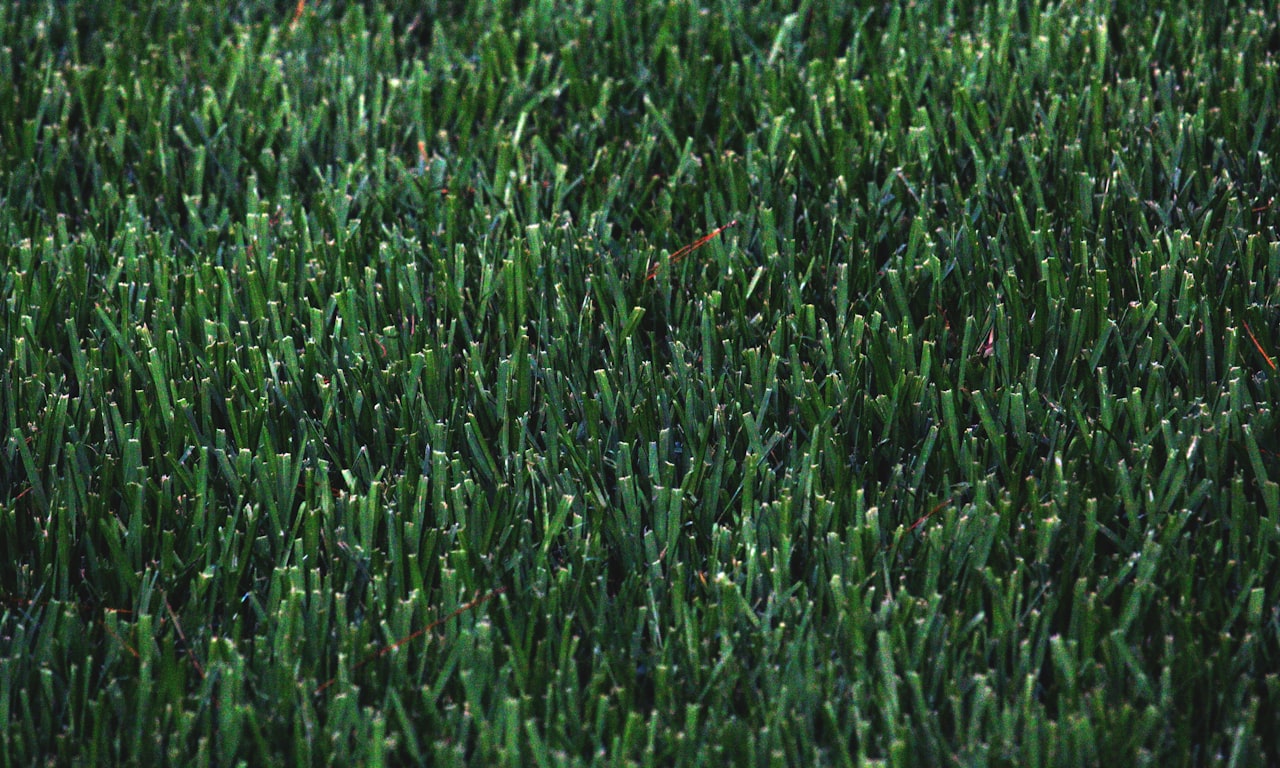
x,y
956,451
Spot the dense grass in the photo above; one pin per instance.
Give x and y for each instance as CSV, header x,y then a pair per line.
x,y
957,450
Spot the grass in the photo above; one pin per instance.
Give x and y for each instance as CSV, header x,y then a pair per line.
x,y
341,422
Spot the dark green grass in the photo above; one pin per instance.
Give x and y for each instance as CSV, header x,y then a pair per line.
x,y
956,451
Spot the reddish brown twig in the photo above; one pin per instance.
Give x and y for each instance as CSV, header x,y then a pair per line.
x,y
388,649
930,514
183,637
690,248
1261,351
132,651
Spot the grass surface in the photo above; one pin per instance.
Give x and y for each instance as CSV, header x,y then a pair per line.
x,y
340,423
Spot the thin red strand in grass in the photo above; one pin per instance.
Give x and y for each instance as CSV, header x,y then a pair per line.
x,y
1261,351
183,637
930,514
677,255
388,649
121,641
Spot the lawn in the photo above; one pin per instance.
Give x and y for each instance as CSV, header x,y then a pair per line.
x,y
654,383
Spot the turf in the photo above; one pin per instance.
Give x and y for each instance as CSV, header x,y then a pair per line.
x,y
359,405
